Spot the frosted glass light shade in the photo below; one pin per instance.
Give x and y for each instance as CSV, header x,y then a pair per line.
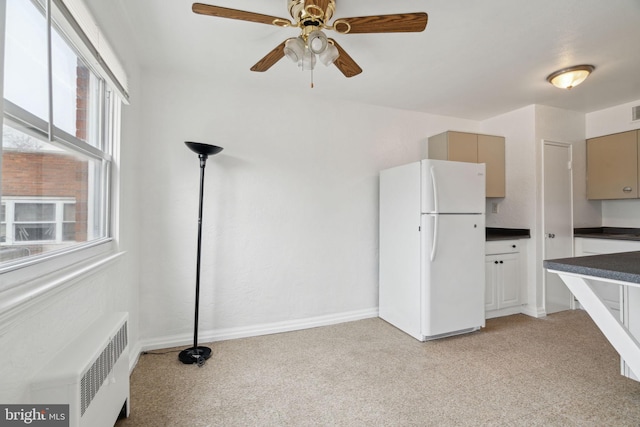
x,y
329,55
308,61
570,77
317,41
294,49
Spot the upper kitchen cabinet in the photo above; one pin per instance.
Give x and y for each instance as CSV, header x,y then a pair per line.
x,y
612,166
473,148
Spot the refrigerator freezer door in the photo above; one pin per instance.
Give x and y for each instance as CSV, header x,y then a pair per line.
x,y
452,187
452,278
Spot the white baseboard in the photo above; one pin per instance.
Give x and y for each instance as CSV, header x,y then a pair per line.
x,y
253,330
134,355
503,312
521,309
537,312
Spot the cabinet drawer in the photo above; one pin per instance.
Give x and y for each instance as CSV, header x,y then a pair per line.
x,y
502,247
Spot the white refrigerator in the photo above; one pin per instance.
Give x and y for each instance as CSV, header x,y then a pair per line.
x,y
432,237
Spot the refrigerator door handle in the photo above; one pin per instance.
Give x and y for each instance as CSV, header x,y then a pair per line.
x,y
434,241
435,189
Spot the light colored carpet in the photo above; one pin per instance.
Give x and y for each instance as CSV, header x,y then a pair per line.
x,y
518,371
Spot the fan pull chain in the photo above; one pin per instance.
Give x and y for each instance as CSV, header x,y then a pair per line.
x,y
312,78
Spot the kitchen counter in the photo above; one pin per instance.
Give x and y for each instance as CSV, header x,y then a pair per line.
x,y
493,233
623,266
581,274
616,233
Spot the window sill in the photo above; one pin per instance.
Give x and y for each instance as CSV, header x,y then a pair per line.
x,y
21,288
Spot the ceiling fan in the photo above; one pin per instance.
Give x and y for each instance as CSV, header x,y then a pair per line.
x,y
312,18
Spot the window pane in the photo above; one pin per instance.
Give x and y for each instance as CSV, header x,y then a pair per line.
x,y
75,93
69,213
68,232
25,67
52,196
34,232
34,212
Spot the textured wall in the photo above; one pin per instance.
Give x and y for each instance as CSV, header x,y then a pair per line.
x,y
291,204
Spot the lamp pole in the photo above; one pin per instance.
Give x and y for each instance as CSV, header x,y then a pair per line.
x,y
198,354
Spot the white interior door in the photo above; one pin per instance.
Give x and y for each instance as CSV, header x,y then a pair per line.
x,y
557,220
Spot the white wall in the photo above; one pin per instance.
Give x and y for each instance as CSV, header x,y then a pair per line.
x,y
291,206
615,213
517,209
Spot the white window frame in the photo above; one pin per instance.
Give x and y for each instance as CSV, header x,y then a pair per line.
x,y
58,202
25,279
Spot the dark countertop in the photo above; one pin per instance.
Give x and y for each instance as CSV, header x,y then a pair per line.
x,y
493,233
616,233
623,266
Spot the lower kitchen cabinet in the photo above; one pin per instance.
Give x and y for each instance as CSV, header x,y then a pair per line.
x,y
503,278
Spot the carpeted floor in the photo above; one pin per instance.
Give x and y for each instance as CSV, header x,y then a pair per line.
x,y
518,371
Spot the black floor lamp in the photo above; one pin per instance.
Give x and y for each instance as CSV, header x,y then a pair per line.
x,y
197,354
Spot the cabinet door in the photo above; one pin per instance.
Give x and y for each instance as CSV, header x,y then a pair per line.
x,y
463,147
509,283
491,152
612,166
491,283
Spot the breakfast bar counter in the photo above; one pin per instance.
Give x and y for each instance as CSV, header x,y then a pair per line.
x,y
623,267
580,273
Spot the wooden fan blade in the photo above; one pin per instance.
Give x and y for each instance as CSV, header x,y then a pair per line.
x,y
398,23
345,63
271,58
223,12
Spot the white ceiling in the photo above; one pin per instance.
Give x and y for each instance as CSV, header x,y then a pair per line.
x,y
476,59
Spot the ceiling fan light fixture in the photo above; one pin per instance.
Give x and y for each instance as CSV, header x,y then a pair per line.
x,y
568,78
329,55
294,49
317,41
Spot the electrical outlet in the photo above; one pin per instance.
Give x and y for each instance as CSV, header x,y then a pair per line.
x,y
494,207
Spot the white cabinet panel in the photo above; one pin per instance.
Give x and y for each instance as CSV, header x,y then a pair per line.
x,y
503,278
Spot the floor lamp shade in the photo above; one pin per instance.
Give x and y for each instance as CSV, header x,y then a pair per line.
x,y
198,354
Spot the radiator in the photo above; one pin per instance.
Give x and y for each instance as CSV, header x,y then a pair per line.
x,y
91,375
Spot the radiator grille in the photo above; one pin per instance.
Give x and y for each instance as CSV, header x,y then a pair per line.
x,y
93,379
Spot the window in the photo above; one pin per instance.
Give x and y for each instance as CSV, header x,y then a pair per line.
x,y
60,114
40,221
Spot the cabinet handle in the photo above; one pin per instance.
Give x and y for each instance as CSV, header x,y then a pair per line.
x,y
500,262
551,236
495,262
513,246
627,189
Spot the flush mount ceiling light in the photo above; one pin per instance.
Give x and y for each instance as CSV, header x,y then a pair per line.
x,y
568,78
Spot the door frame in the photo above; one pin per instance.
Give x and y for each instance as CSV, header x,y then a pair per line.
x,y
573,303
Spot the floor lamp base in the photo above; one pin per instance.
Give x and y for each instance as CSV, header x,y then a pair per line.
x,y
195,355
